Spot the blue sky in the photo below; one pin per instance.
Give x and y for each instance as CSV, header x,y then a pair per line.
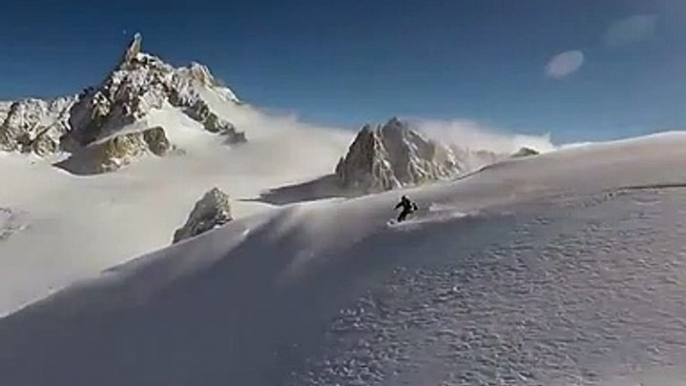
x,y
622,69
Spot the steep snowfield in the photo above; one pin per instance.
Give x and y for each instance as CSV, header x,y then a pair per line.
x,y
564,269
56,227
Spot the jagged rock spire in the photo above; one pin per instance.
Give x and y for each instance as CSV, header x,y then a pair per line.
x,y
213,210
134,47
393,155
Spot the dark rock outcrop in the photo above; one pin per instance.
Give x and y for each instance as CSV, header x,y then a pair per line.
x,y
213,210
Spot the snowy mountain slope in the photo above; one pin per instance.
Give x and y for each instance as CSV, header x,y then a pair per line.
x,y
143,109
67,227
568,271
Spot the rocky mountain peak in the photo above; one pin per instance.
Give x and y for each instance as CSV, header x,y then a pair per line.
x,y
134,48
202,74
92,122
141,83
395,124
393,155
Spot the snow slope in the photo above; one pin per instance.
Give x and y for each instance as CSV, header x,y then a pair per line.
x,y
563,269
56,227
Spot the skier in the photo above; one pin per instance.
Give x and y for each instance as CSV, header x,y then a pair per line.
x,y
407,206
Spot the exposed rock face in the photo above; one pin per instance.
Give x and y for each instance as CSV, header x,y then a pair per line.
x,y
525,152
213,210
156,141
118,151
393,155
201,112
34,125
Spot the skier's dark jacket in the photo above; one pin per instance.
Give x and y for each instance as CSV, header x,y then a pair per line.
x,y
406,204
408,207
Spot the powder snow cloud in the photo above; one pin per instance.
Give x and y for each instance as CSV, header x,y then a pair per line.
x,y
476,136
564,64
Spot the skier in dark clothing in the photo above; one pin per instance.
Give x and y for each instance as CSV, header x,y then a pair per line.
x,y
407,206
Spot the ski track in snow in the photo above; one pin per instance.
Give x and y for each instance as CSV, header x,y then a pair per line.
x,y
568,296
435,214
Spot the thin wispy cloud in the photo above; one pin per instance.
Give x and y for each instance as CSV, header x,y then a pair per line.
x,y
564,64
632,30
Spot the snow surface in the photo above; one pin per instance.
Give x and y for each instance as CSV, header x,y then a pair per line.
x,y
567,270
65,227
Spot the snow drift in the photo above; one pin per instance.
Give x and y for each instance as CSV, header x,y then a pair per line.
x,y
561,269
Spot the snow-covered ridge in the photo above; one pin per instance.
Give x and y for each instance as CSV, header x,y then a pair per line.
x,y
550,280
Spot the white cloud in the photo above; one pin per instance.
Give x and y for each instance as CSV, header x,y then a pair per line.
x,y
564,64
634,29
473,135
